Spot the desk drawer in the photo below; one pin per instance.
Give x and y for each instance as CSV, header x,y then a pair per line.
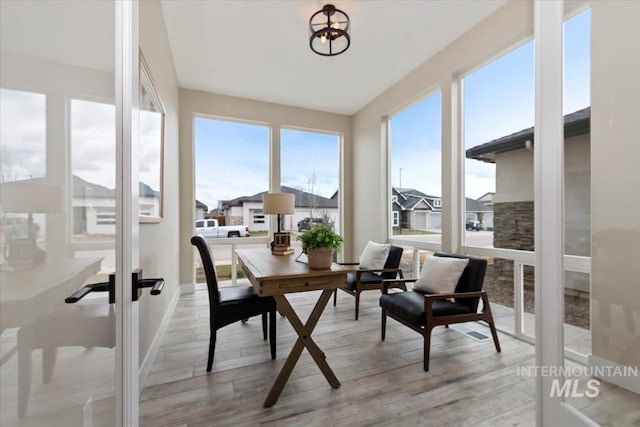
x,y
279,287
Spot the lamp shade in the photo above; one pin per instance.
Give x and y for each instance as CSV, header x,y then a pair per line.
x,y
278,203
30,196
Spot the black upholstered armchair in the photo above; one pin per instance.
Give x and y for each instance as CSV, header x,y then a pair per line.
x,y
423,311
229,305
366,280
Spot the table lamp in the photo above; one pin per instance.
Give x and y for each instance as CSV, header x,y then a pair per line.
x,y
280,204
28,196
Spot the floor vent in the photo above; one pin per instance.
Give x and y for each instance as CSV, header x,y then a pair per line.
x,y
474,334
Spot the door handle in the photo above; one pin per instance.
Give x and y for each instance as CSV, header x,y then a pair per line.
x,y
109,286
138,284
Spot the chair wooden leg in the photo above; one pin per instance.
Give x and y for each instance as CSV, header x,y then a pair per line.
x,y
383,330
272,333
494,333
491,323
212,349
264,326
427,348
24,375
335,297
357,303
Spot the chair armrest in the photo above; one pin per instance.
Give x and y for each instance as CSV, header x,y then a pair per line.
x,y
430,298
389,282
478,294
398,272
360,271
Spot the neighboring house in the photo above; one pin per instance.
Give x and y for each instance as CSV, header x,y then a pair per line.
x,y
481,210
413,209
201,209
94,206
247,210
513,205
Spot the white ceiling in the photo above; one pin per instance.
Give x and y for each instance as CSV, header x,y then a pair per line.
x,y
260,49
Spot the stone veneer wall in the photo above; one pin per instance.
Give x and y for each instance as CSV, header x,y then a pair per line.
x,y
513,229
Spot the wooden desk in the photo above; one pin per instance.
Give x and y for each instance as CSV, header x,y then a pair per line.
x,y
26,295
273,275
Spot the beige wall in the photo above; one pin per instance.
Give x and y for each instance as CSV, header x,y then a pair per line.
x,y
514,176
615,174
202,103
159,242
502,31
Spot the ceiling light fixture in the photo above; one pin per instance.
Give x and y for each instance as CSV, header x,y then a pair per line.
x,y
329,29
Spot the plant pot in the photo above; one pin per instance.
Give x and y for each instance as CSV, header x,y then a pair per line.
x,y
319,259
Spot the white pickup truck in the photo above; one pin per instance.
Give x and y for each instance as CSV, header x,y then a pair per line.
x,y
210,228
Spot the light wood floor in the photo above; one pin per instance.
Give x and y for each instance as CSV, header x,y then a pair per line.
x,y
383,383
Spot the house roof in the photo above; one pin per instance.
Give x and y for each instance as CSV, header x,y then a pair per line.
x,y
410,198
576,123
200,205
303,199
82,188
478,205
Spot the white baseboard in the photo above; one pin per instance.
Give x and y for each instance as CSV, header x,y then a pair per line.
x,y
150,357
187,288
618,373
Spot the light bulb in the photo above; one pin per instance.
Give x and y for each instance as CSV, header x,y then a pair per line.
x,y
323,38
335,25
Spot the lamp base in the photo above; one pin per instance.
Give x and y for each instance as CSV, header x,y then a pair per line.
x,y
280,244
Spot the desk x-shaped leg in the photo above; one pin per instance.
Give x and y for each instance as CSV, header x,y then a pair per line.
x,y
304,340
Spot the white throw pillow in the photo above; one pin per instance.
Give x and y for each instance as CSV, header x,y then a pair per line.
x,y
440,274
374,256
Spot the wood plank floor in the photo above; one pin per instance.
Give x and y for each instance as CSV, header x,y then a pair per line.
x,y
383,383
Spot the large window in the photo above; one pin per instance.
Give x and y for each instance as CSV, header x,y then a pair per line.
x,y
22,135
310,169
498,103
231,176
93,168
416,171
232,169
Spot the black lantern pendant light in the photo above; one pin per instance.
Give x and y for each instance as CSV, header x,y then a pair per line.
x,y
329,29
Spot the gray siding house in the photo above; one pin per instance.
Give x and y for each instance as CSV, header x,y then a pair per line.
x,y
513,202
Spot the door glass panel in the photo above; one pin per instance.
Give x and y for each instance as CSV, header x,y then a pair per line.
x,y
601,174
57,205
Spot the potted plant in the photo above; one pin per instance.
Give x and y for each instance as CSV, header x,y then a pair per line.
x,y
319,243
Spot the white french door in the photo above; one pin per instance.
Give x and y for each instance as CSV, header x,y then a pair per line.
x,y
69,212
614,67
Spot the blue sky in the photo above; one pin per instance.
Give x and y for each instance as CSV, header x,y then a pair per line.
x,y
232,158
498,100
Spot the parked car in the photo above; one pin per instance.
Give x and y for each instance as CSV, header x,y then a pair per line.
x,y
473,225
211,228
308,223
